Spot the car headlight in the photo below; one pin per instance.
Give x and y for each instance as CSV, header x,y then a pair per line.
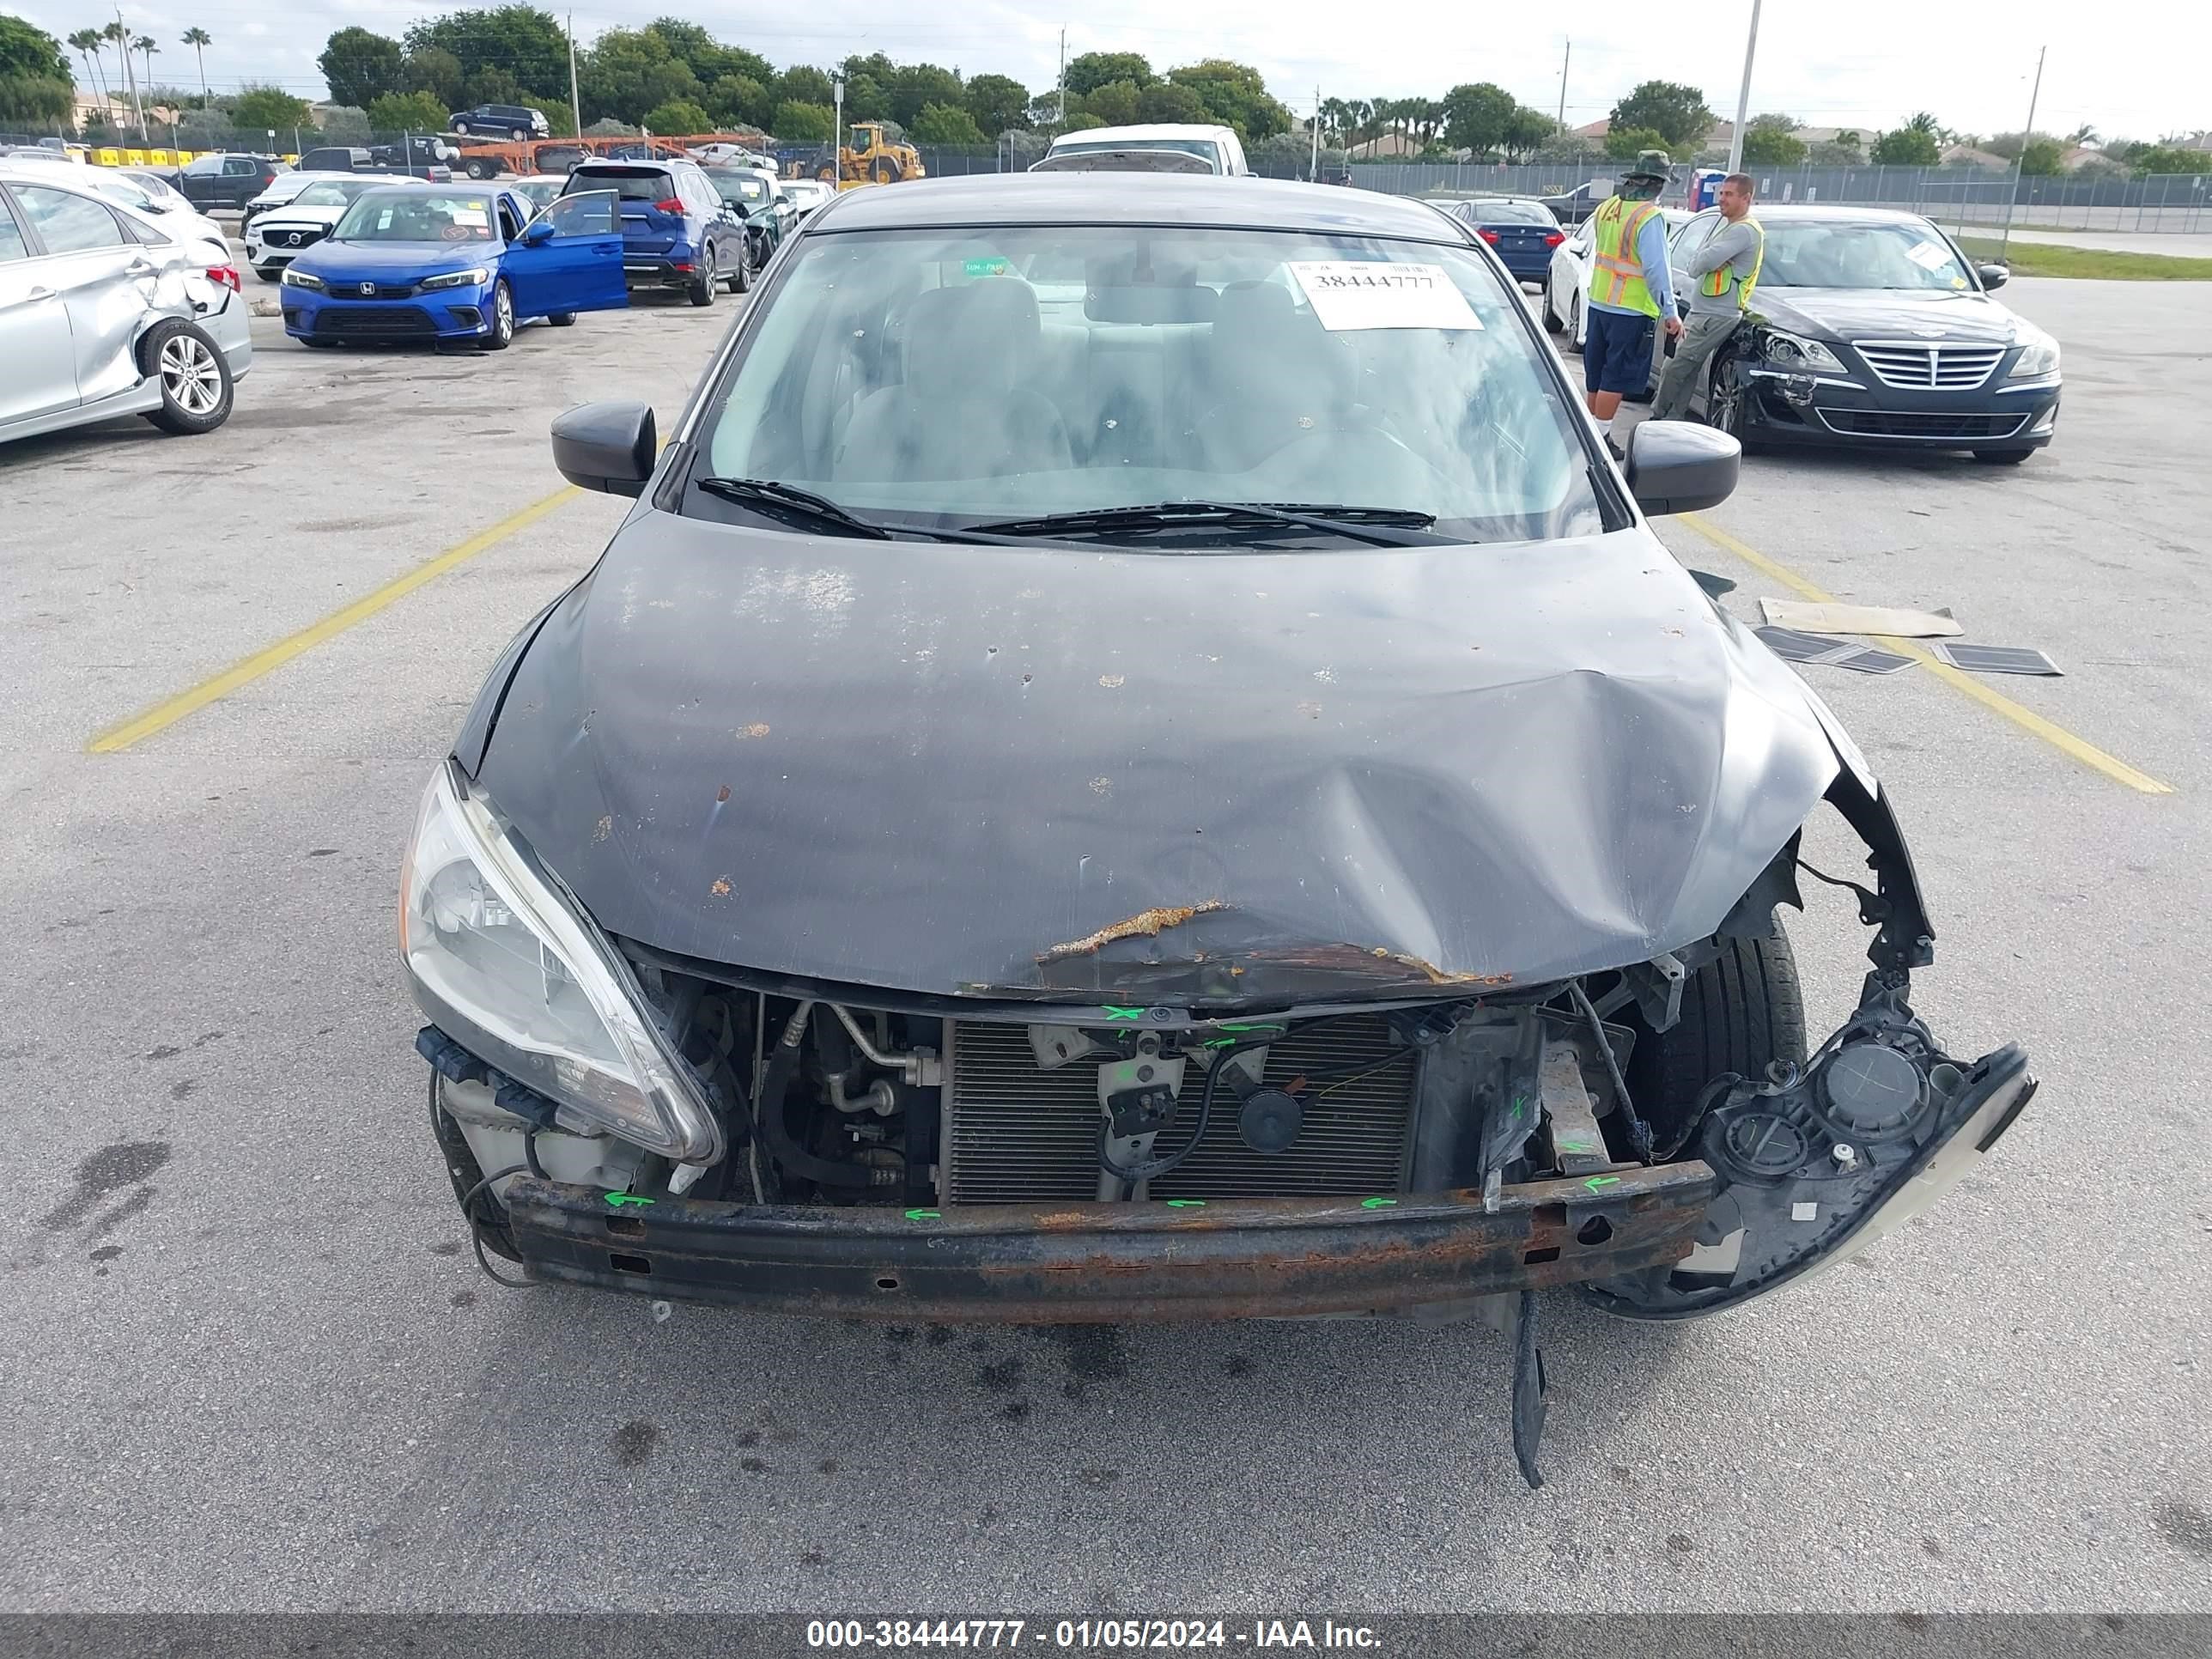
x,y
1788,351
296,277
2039,360
469,278
502,959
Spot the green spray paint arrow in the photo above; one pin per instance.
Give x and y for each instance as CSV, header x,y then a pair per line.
x,y
616,1200
1185,1204
1596,1181
924,1215
1378,1203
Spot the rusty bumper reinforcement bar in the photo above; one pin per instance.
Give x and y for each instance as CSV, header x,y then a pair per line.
x,y
1090,1263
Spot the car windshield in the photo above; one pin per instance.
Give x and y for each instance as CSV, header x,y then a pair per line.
x,y
396,217
739,187
329,193
1205,148
1510,213
1844,254
933,379
631,184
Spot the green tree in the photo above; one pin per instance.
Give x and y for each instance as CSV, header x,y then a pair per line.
x,y
805,124
360,65
32,52
2040,157
1235,96
527,43
998,103
348,124
1924,121
407,112
1477,116
86,44
629,71
947,124
1674,110
919,85
1082,120
264,108
436,71
1772,141
739,99
1905,147
1167,100
1115,103
1530,131
1094,70
2144,160
199,41
802,84
866,98
1623,143
678,117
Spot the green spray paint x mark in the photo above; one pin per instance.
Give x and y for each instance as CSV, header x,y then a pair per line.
x,y
1520,1104
1185,1204
1112,1012
923,1215
1378,1203
616,1200
1596,1181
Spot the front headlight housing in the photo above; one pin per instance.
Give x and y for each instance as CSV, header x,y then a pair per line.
x,y
1794,351
296,277
2038,360
470,278
507,965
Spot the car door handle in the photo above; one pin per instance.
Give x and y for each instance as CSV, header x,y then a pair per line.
x,y
37,295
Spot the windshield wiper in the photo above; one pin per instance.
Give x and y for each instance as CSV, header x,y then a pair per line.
x,y
801,506
1377,526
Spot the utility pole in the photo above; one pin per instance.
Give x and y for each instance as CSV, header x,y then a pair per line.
x,y
1564,62
130,76
1059,109
1313,171
575,101
1743,95
2019,167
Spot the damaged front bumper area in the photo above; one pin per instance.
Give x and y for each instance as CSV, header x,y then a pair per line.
x,y
1181,1259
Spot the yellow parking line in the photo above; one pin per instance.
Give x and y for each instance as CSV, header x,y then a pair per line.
x,y
163,715
2027,718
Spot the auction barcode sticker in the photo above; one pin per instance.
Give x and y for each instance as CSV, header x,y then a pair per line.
x,y
1353,294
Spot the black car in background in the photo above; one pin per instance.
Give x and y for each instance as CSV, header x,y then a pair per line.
x,y
223,180
1576,205
517,121
1870,329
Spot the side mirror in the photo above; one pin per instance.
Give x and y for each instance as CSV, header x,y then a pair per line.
x,y
1679,466
1993,276
535,231
607,447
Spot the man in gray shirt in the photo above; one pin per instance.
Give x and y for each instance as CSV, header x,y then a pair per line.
x,y
1724,270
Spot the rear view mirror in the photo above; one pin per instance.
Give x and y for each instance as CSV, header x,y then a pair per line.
x,y
1679,466
607,447
1993,276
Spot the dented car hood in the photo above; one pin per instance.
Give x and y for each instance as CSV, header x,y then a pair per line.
x,y
1241,778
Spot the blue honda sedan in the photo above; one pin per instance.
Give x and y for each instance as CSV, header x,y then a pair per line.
x,y
455,263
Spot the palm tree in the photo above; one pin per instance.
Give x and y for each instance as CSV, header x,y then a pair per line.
x,y
146,44
2084,134
87,42
199,40
1924,122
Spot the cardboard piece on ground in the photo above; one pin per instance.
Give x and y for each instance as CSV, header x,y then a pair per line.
x,y
1997,658
1892,622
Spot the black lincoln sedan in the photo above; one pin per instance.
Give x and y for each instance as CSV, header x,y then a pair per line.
x,y
1869,328
1136,758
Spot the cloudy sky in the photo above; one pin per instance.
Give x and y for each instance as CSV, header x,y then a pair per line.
x,y
2128,67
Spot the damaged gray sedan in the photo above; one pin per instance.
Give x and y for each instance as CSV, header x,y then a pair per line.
x,y
1134,759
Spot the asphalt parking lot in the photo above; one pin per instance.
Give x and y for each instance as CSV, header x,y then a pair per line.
x,y
252,1366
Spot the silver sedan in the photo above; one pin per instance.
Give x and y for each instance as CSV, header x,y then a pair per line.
x,y
106,311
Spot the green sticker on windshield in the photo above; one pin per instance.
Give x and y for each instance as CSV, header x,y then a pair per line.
x,y
986,267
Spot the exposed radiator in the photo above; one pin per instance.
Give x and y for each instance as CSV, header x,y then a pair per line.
x,y
1016,1133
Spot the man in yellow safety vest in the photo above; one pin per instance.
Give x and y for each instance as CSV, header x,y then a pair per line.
x,y
1726,266
1631,292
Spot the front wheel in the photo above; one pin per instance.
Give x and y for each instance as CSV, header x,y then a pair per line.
x,y
702,284
1576,338
520,137
503,319
196,386
1551,323
741,279
461,128
1724,403
2002,457
1741,1012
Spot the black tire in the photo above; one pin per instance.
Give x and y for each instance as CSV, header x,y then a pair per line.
x,y
196,385
503,319
2002,457
1724,403
519,135
1574,326
480,168
563,319
886,170
1739,1012
742,281
461,128
701,291
1551,323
